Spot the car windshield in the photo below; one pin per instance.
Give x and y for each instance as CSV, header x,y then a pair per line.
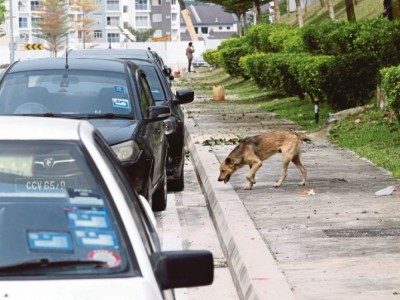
x,y
55,216
66,92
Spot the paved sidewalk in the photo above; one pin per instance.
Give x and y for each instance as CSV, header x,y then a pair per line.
x,y
343,242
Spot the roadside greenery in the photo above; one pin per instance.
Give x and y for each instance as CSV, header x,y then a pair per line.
x,y
373,134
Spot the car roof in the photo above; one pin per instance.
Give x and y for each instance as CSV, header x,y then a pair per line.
x,y
55,63
139,53
31,128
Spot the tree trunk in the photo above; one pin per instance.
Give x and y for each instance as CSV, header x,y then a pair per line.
x,y
277,11
299,14
331,11
244,24
322,2
351,15
239,25
257,11
396,9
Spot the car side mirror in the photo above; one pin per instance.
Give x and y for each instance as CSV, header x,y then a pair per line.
x,y
186,268
167,71
158,113
185,96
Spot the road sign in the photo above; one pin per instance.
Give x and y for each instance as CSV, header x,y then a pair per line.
x,y
33,46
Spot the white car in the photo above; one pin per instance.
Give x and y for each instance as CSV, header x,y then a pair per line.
x,y
71,225
199,62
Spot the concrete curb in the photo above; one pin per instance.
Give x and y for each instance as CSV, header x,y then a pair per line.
x,y
254,270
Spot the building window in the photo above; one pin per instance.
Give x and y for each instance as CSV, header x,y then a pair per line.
x,y
35,5
174,17
125,8
142,21
112,21
228,27
23,38
156,2
21,6
113,37
34,21
98,2
98,34
141,5
173,2
204,30
23,22
157,18
220,27
113,5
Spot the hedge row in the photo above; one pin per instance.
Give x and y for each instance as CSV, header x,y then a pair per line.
x,y
339,61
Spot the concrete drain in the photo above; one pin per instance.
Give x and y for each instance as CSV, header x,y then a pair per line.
x,y
365,232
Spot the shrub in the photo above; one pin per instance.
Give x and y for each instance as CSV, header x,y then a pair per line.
x,y
230,52
351,80
390,84
212,57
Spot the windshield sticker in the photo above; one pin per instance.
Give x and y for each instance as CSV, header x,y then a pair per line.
x,y
119,90
111,259
49,241
96,238
89,219
120,103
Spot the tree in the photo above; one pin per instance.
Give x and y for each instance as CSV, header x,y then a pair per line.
x,y
53,24
277,11
83,24
2,16
142,35
299,14
351,15
331,10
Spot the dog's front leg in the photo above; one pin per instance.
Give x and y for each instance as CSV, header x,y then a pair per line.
x,y
251,175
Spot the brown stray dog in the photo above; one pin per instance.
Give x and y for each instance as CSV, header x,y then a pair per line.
x,y
253,150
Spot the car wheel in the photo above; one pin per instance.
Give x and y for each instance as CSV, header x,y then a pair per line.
x,y
159,197
177,184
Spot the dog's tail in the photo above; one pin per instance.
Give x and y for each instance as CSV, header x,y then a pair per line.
x,y
318,135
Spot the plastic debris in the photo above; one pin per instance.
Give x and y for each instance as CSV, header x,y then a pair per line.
x,y
386,191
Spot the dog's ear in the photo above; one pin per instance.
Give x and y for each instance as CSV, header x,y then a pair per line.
x,y
228,161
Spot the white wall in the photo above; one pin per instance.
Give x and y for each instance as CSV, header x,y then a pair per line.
x,y
173,53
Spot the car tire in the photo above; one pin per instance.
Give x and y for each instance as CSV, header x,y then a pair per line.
x,y
177,184
159,197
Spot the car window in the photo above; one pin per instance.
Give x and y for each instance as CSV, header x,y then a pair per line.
x,y
54,209
154,83
65,92
146,98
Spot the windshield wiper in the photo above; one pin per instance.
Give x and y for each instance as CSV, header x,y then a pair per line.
x,y
108,116
45,263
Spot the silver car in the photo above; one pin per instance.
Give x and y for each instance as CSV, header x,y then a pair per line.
x,y
71,225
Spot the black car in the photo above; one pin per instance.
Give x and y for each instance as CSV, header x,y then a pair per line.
x,y
114,95
162,95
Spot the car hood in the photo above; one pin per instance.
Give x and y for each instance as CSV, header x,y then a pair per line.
x,y
79,289
115,131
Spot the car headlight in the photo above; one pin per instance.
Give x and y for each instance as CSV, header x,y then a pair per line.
x,y
169,125
126,151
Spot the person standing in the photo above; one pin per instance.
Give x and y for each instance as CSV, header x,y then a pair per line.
x,y
189,55
388,9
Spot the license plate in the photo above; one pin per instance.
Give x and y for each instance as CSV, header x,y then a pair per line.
x,y
43,185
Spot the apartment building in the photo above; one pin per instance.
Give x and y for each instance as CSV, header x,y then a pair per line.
x,y
109,17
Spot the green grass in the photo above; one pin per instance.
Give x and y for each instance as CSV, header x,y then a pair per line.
x,y
369,134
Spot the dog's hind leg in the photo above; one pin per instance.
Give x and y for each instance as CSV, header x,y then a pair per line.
x,y
286,160
299,165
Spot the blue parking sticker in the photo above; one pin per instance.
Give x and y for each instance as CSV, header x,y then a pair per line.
x,y
119,90
49,241
89,219
96,238
120,103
